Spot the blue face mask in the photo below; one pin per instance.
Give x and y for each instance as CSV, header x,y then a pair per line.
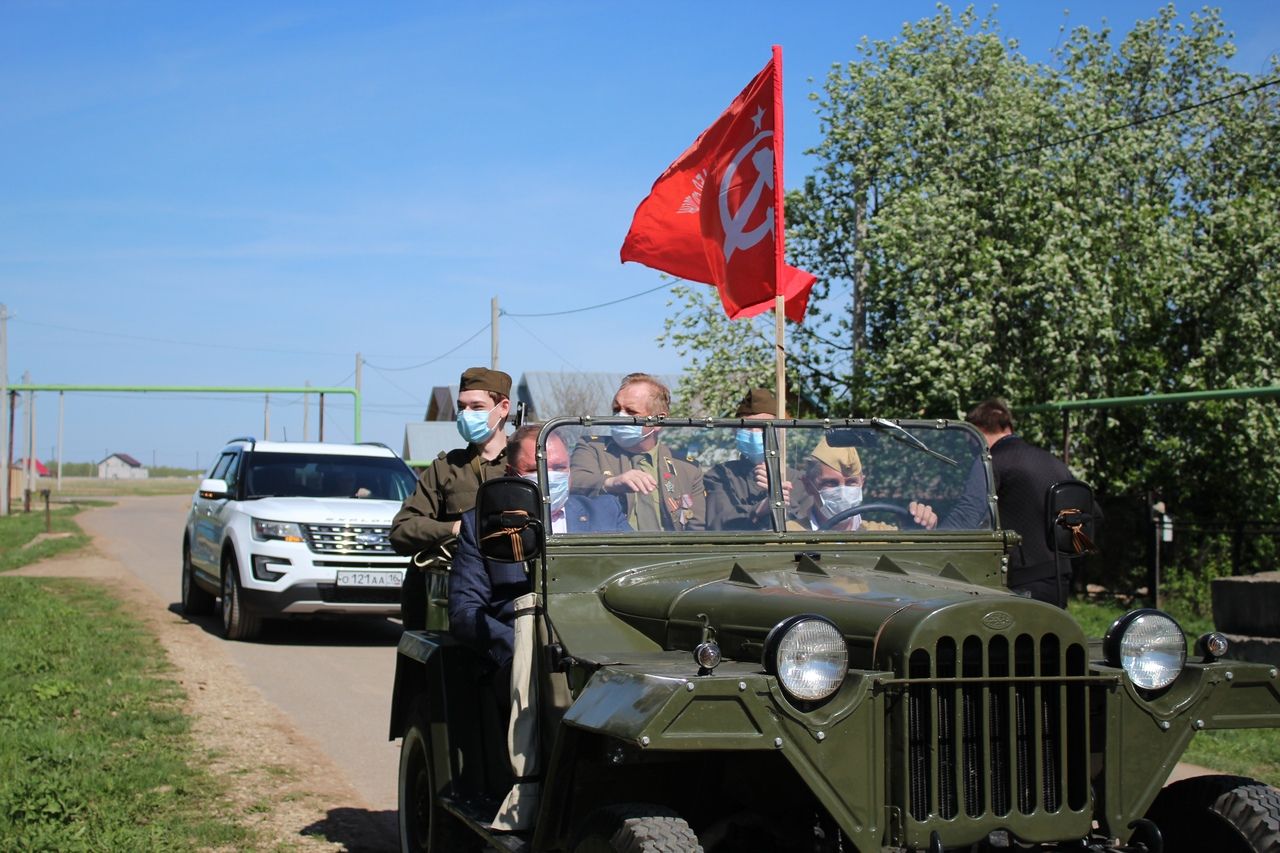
x,y
557,487
474,426
751,444
629,435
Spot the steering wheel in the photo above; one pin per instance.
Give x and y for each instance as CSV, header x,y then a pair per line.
x,y
874,506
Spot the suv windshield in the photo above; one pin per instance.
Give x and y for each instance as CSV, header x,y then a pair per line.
x,y
327,475
722,475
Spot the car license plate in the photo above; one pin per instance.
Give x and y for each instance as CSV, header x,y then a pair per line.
x,y
354,578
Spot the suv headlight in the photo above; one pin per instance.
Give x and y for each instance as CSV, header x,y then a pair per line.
x,y
1149,646
808,656
287,531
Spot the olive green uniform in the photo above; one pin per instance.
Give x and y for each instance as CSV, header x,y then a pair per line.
x,y
679,502
732,497
445,491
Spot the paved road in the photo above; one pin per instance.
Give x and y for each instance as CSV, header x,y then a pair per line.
x,y
332,678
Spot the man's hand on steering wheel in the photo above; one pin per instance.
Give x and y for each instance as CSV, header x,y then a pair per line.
x,y
914,514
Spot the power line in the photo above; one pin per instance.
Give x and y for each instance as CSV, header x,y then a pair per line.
x,y
201,344
548,346
431,360
1139,121
594,307
396,385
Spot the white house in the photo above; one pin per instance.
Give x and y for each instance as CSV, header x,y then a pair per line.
x,y
121,466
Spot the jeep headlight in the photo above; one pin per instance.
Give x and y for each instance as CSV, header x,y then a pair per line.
x,y
287,531
1149,646
808,656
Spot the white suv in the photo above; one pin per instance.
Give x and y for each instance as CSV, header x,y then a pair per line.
x,y
284,529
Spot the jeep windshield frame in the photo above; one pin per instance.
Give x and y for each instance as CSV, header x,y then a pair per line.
x,y
951,474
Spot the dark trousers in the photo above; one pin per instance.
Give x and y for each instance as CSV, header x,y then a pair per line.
x,y
413,599
1049,590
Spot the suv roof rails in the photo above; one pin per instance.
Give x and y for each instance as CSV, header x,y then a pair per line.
x,y
247,438
376,444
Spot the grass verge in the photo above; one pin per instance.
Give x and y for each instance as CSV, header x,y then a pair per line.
x,y
94,748
1248,752
20,531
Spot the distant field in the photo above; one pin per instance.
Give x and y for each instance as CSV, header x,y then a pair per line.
x,y
73,487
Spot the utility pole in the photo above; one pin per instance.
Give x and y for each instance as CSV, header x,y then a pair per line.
x,y
306,414
62,400
5,411
321,417
266,417
493,333
29,479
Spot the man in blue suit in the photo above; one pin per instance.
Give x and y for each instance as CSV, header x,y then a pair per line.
x,y
482,592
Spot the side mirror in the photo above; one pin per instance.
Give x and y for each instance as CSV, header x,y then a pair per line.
x,y
509,520
213,489
1071,522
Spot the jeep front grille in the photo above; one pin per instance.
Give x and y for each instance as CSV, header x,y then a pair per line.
x,y
348,538
990,731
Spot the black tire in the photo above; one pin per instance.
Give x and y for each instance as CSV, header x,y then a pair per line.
x,y
195,600
424,824
1225,814
237,622
636,828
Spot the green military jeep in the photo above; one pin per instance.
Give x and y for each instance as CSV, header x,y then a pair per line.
x,y
814,673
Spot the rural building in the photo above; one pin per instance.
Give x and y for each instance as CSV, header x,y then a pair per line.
x,y
121,466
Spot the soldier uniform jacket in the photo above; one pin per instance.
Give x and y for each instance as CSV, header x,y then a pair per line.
x,y
682,499
446,490
732,495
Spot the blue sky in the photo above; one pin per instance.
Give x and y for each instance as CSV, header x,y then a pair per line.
x,y
251,193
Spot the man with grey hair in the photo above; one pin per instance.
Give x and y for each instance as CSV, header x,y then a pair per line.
x,y
657,490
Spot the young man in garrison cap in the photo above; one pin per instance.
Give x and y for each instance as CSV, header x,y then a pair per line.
x,y
430,518
738,491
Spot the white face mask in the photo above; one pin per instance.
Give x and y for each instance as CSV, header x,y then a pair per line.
x,y
837,499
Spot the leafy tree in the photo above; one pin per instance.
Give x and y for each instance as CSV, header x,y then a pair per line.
x,y
1105,224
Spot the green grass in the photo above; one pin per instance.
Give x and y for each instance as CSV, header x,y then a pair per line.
x,y
19,528
1248,752
95,753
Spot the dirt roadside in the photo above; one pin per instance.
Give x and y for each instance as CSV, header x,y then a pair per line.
x,y
281,784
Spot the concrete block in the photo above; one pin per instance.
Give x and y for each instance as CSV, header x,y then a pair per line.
x,y
1254,649
1248,605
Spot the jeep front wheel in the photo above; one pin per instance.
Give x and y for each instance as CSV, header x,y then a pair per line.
x,y
424,825
237,623
1226,814
636,828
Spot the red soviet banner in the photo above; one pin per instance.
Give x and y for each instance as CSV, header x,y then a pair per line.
x,y
716,214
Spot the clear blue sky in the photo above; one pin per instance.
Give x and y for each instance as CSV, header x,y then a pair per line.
x,y
250,193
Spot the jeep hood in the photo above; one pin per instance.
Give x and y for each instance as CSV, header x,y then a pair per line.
x,y
860,596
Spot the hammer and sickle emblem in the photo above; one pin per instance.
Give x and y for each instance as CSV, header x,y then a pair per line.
x,y
735,234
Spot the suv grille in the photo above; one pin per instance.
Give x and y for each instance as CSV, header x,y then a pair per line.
x,y
993,731
348,538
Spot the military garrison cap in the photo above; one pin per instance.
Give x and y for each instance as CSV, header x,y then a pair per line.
x,y
842,459
759,401
484,379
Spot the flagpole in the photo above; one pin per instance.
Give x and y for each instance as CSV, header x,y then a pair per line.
x,y
779,260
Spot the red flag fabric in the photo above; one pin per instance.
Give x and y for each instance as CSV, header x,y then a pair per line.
x,y
716,214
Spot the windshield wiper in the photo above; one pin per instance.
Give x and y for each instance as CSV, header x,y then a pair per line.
x,y
907,438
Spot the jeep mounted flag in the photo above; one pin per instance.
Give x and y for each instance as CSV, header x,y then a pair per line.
x,y
716,214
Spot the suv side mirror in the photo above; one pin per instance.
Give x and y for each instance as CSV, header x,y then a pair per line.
x,y
213,489
509,520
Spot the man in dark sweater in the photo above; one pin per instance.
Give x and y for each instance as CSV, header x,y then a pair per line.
x,y
1023,474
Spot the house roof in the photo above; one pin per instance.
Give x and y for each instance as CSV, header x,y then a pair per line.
x,y
425,439
125,458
